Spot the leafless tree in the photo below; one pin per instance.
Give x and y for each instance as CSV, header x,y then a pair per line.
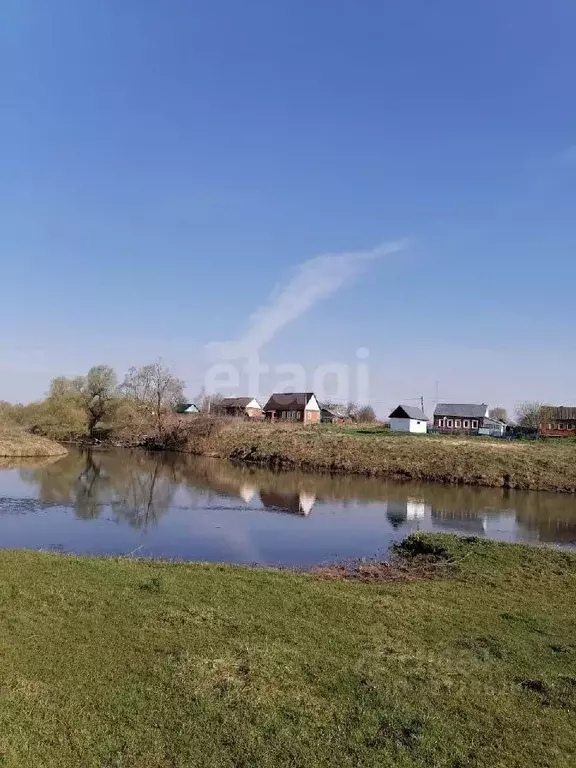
x,y
529,414
155,387
365,413
208,403
498,413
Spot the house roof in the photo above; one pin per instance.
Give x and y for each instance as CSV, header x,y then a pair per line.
x,y
559,412
288,401
461,410
494,422
408,412
340,411
185,407
235,402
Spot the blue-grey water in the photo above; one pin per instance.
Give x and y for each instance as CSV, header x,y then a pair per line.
x,y
177,506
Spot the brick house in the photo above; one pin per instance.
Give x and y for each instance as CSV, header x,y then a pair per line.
x,y
558,421
460,417
243,407
294,406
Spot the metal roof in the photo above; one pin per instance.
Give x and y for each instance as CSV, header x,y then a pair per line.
x,y
461,410
559,412
410,412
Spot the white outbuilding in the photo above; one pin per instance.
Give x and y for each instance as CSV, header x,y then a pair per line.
x,y
406,418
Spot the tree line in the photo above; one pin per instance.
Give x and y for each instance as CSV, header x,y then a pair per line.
x,y
138,408
98,405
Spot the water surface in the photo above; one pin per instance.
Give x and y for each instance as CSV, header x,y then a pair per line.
x,y
178,506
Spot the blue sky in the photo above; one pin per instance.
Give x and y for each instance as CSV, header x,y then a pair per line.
x,y
165,167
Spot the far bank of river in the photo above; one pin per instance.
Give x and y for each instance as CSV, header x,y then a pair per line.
x,y
545,465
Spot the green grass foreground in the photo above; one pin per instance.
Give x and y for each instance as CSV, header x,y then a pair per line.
x,y
135,664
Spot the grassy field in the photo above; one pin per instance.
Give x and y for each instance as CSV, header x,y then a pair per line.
x,y
138,664
528,465
15,442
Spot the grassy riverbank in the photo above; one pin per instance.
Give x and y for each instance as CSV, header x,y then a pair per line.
x,y
16,442
529,465
147,664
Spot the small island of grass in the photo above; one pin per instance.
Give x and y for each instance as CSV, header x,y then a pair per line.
x,y
16,442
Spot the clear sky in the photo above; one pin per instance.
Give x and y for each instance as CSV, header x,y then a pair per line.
x,y
166,167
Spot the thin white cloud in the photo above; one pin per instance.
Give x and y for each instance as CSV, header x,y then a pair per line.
x,y
314,280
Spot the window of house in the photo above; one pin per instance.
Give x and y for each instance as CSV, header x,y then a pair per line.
x,y
560,426
299,415
466,424
450,423
474,424
549,426
457,423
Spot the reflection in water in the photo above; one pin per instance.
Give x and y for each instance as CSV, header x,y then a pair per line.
x,y
183,497
300,503
139,490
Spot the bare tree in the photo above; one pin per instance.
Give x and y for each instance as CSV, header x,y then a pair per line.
x,y
155,387
365,413
208,403
498,413
530,414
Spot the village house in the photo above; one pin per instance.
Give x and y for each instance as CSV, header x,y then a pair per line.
x,y
493,427
460,417
407,418
558,421
335,414
188,409
243,407
294,406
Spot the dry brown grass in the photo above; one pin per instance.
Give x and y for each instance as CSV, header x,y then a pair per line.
x,y
474,461
16,442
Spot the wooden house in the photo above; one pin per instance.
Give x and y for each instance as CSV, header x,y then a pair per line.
x,y
558,421
242,407
293,406
460,417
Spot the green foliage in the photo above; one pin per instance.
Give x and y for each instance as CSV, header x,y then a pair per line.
x,y
147,664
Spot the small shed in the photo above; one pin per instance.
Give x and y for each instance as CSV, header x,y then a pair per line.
x,y
406,418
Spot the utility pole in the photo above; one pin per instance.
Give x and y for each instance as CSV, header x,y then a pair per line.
x,y
422,403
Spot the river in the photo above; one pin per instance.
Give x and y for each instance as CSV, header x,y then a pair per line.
x,y
190,508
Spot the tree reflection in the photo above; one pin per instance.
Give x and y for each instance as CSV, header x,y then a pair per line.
x,y
146,497
138,488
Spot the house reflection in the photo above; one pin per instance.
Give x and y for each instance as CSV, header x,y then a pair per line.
x,y
295,503
412,510
247,492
